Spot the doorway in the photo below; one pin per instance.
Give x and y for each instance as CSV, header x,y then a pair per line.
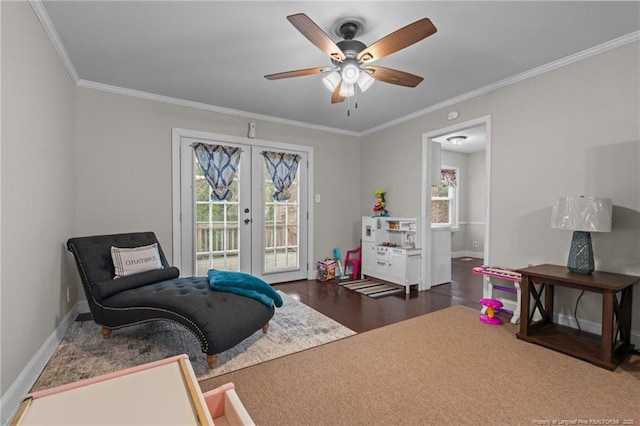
x,y
248,230
470,155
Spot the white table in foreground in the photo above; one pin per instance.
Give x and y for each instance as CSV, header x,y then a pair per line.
x,y
164,392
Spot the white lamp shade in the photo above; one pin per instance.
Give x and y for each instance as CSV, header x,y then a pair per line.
x,y
331,80
347,90
587,214
350,73
365,81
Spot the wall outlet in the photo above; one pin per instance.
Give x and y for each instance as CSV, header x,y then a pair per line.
x,y
475,244
68,294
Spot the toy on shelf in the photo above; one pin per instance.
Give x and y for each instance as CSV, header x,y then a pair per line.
x,y
379,208
490,317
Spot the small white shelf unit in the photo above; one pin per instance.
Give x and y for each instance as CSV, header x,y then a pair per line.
x,y
391,250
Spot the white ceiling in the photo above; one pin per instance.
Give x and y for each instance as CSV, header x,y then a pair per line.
x,y
476,140
217,52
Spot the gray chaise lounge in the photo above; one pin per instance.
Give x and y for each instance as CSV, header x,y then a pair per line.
x,y
219,320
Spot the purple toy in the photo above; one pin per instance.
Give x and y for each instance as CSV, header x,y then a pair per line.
x,y
490,317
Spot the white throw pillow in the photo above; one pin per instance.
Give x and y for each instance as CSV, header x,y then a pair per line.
x,y
129,261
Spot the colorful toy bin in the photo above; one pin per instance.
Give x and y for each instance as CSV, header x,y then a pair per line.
x,y
326,270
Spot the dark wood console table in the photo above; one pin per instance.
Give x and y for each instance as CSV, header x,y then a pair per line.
x,y
606,350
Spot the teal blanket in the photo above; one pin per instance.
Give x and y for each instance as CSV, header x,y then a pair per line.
x,y
244,285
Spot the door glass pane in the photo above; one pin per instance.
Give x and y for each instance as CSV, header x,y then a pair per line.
x,y
281,223
217,226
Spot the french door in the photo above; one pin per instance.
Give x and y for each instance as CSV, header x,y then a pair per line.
x,y
250,232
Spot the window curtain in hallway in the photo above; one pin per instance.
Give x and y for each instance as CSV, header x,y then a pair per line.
x,y
282,168
448,178
220,165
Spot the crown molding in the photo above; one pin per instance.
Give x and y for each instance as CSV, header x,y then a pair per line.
x,y
207,107
50,29
587,53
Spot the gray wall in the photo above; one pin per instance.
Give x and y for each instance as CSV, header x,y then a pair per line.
x,y
38,195
571,131
459,160
475,200
471,198
128,188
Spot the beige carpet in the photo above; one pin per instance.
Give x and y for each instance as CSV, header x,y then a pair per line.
x,y
441,368
83,353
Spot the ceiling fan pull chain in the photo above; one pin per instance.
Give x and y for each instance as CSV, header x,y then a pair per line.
x,y
356,87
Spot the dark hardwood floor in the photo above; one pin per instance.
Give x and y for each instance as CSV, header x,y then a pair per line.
x,y
361,313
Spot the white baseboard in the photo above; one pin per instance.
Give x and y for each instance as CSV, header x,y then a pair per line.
x,y
13,397
83,306
590,326
458,254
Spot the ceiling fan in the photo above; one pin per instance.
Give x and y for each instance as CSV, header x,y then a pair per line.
x,y
351,58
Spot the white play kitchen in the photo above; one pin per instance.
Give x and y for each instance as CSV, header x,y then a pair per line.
x,y
392,252
391,249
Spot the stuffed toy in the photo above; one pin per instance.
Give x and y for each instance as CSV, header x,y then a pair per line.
x,y
379,208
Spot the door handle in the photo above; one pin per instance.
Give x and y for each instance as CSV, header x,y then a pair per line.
x,y
246,221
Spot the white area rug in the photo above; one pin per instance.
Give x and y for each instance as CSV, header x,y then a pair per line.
x,y
83,353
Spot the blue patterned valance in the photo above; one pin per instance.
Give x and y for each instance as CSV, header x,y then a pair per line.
x,y
448,178
220,165
282,168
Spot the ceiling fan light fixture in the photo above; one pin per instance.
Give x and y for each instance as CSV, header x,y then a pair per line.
x,y
347,90
331,80
364,81
350,73
456,140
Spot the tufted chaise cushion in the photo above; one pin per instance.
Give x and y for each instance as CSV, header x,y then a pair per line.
x,y
219,320
224,319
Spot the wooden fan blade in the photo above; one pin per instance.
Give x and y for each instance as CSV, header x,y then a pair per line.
x,y
392,76
296,73
316,35
335,96
398,40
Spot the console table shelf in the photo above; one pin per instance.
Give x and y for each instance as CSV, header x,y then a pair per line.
x,y
570,341
606,350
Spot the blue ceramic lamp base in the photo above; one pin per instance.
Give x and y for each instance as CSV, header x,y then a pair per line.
x,y
581,253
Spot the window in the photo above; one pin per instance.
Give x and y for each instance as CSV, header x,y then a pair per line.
x,y
247,230
281,228
216,222
444,199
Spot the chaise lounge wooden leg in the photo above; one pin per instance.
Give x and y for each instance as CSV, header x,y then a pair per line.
x,y
211,360
106,332
265,328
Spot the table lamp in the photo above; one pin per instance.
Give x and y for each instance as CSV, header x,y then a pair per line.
x,y
582,215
